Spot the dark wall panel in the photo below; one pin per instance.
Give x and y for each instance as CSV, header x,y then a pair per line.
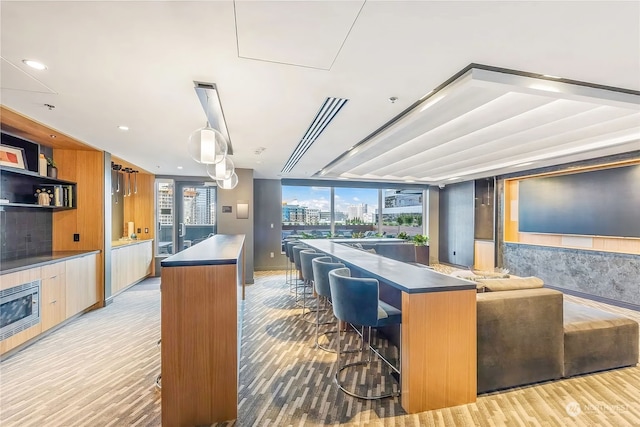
x,y
268,201
603,202
457,224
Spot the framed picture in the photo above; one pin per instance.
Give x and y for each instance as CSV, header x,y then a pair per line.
x,y
12,156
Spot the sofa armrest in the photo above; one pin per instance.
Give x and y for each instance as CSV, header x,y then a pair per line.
x,y
520,338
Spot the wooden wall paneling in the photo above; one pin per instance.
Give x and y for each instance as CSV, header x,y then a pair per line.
x,y
629,246
86,168
199,344
511,211
24,127
140,208
484,255
9,281
53,299
439,359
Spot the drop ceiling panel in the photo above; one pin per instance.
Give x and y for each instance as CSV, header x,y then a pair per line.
x,y
14,77
308,34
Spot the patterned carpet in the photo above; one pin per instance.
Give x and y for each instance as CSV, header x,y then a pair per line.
x,y
99,370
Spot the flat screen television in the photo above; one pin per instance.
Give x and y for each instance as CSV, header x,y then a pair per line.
x,y
602,203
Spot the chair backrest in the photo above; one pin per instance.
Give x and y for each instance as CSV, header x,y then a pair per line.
x,y
305,263
321,268
296,255
289,248
355,299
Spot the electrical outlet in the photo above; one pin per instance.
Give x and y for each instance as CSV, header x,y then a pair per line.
x,y
271,225
271,255
146,230
139,230
76,237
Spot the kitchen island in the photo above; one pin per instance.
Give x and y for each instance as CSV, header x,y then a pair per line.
x,y
202,288
438,332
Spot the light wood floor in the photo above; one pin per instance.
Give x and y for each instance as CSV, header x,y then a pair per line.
x,y
99,370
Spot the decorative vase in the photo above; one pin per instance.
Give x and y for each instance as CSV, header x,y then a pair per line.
x,y
52,172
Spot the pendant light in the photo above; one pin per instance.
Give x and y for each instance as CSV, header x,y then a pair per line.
x,y
229,183
222,170
207,145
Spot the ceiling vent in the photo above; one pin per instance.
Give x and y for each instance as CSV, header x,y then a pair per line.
x,y
327,112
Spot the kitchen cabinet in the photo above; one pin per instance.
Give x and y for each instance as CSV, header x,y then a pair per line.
x,y
130,263
54,293
81,275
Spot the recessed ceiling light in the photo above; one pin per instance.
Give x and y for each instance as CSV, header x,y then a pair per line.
x,y
53,136
35,64
523,164
454,178
342,177
409,180
179,167
122,127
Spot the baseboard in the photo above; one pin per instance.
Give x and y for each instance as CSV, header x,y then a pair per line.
x,y
597,298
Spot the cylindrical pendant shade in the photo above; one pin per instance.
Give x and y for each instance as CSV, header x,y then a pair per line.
x,y
228,184
221,170
207,145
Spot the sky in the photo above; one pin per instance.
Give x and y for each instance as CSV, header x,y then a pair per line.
x,y
320,197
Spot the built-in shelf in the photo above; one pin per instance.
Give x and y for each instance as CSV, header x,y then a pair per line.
x,y
19,188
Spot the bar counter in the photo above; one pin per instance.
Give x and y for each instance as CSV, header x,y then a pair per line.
x,y
201,291
438,356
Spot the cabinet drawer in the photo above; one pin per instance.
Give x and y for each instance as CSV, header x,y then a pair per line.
x,y
52,270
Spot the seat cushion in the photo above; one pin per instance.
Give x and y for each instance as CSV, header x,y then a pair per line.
x,y
388,315
595,340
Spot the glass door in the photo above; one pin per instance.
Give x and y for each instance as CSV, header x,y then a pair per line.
x,y
196,213
186,213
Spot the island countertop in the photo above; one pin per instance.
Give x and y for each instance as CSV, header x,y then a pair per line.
x,y
406,277
216,250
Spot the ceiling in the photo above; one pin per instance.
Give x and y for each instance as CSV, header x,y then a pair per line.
x,y
275,64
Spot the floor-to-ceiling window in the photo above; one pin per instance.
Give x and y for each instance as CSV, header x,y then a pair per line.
x,y
402,212
356,212
339,210
306,209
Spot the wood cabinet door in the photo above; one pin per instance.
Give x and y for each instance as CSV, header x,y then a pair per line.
x,y
81,284
53,299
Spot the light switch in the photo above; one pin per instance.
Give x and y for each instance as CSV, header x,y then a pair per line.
x,y
271,225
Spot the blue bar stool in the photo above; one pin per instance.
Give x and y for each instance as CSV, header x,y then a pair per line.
x,y
356,301
295,251
321,268
306,269
288,244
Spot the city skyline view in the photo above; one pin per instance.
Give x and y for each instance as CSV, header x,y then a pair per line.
x,y
320,197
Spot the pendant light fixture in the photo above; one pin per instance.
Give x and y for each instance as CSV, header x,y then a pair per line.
x,y
229,183
207,145
222,170
212,145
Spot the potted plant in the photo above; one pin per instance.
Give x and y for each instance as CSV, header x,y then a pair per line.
x,y
403,235
422,248
52,170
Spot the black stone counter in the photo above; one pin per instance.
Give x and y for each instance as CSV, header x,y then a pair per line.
x,y
216,250
405,277
15,265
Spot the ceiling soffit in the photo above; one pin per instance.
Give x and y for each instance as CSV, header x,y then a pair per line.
x,y
485,121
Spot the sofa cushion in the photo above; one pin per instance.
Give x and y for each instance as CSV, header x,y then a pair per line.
x,y
595,340
511,284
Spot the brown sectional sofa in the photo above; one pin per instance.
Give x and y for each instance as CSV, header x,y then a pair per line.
x,y
531,335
